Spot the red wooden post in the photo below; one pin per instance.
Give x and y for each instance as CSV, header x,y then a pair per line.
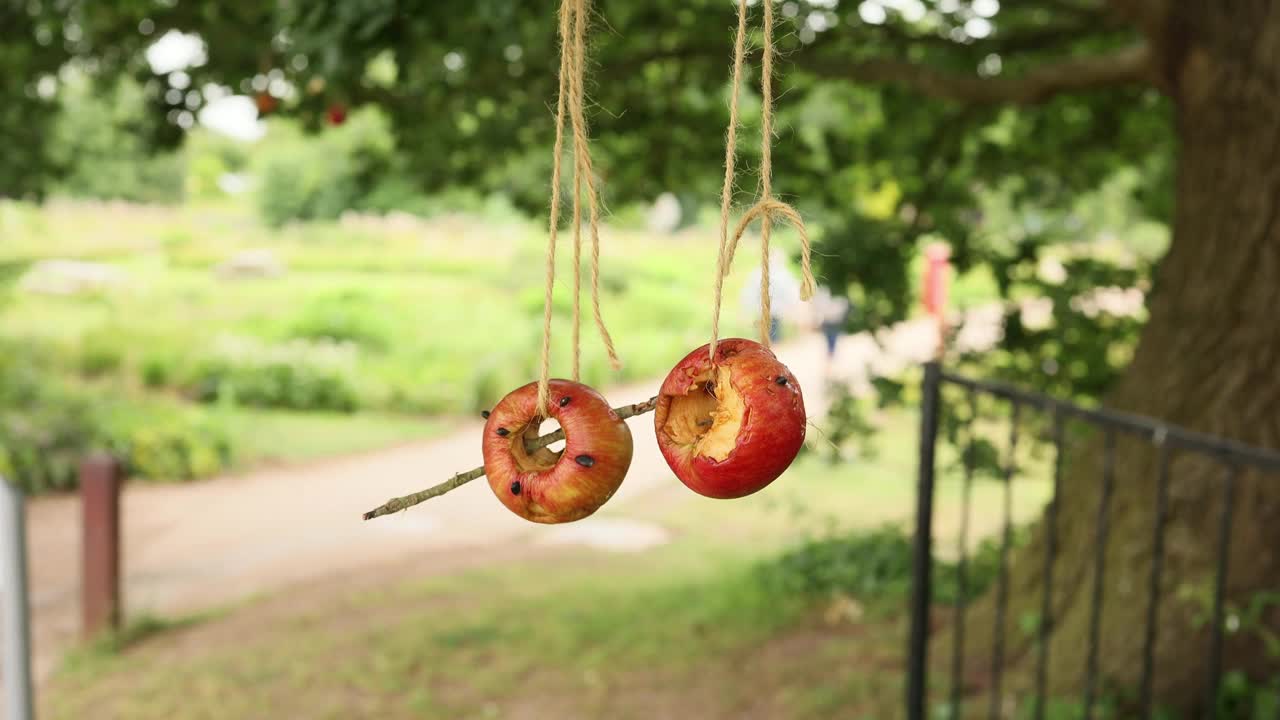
x,y
100,476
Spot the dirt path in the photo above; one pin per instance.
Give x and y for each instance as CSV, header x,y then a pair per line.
x,y
198,546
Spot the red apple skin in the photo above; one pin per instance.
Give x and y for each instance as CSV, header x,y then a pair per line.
x,y
568,490
266,103
772,431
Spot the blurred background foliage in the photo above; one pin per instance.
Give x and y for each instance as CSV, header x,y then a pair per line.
x,y
418,111
338,342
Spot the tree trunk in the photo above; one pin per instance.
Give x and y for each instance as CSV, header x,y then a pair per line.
x,y
1208,359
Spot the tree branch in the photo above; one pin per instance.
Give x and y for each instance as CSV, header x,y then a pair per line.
x,y
1129,65
1146,14
1038,39
1080,8
395,505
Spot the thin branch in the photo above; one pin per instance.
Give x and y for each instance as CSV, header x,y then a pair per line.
x,y
1129,65
405,502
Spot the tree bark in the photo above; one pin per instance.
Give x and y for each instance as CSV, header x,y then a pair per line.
x,y
1208,359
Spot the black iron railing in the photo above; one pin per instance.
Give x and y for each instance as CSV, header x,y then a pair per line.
x,y
1165,438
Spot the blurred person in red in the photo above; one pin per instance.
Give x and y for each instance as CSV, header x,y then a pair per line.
x,y
934,288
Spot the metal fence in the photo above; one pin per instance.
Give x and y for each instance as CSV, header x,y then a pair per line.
x,y
1233,457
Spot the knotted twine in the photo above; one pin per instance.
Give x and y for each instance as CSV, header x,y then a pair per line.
x,y
569,100
767,206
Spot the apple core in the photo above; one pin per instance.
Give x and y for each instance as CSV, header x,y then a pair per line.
x,y
709,416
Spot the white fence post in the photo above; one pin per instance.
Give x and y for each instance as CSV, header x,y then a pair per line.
x,y
16,625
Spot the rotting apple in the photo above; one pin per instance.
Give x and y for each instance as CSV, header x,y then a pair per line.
x,y
729,428
556,486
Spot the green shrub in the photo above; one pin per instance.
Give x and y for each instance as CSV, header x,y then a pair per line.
x,y
1239,698
47,427
285,192
157,370
319,177
872,565
876,567
416,384
167,444
102,138
349,316
398,193
43,437
210,155
297,375
355,166
42,425
100,353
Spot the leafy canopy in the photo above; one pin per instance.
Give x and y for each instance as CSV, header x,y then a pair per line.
x,y
898,119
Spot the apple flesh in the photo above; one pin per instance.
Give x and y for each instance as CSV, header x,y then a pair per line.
x,y
729,428
556,486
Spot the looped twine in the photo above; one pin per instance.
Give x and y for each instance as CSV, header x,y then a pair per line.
x,y
768,206
570,101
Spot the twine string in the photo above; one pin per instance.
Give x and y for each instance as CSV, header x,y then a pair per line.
x,y
570,101
767,207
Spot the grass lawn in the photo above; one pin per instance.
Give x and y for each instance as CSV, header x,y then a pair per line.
x,y
257,434
693,628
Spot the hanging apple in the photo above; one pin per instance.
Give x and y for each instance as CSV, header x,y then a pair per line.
x,y
337,114
729,428
556,486
266,103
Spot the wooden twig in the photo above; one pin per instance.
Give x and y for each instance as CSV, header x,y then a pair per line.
x,y
395,505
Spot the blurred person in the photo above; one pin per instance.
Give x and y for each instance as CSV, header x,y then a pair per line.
x,y
934,289
784,294
830,313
